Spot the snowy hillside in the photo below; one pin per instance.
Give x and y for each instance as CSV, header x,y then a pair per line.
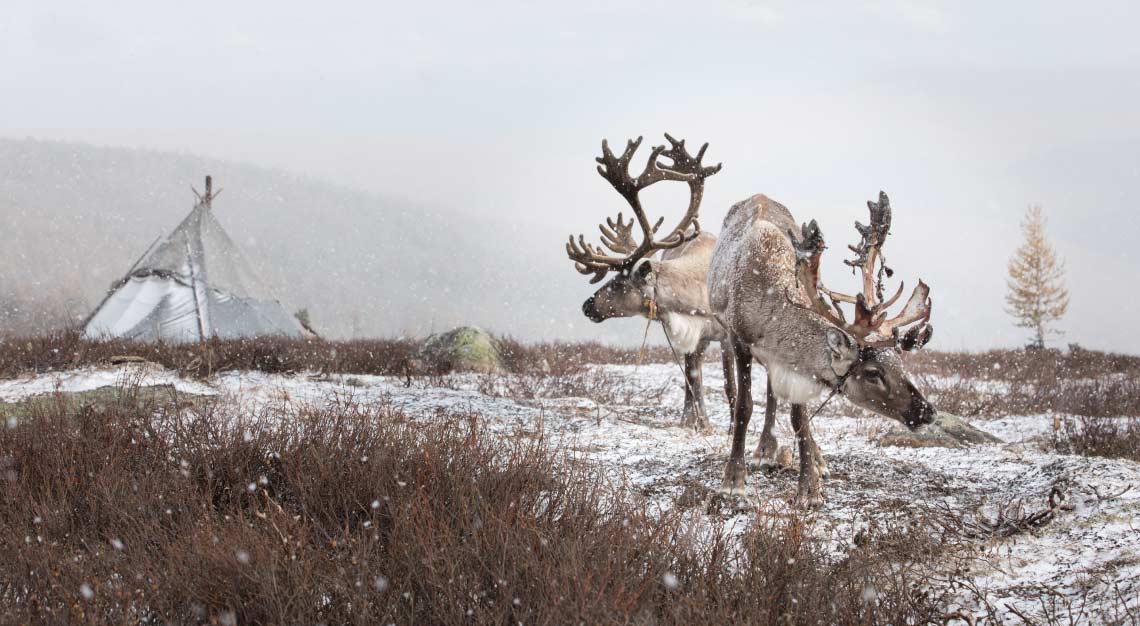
x,y
74,217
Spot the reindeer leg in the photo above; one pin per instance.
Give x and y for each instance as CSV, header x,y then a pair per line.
x,y
697,384
766,450
808,494
820,463
736,470
689,417
726,362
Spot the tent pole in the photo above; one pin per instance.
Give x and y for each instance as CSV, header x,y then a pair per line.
x,y
194,289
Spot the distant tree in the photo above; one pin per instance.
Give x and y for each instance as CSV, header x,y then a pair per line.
x,y
1036,294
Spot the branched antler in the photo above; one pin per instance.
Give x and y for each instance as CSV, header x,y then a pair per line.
x,y
871,326
685,167
809,248
618,235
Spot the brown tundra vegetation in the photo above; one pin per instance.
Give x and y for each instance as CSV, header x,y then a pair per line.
x,y
133,513
153,508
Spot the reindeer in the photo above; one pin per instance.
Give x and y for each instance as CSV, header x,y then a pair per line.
x,y
765,291
672,289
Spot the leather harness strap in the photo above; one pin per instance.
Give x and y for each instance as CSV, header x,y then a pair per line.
x,y
838,386
651,303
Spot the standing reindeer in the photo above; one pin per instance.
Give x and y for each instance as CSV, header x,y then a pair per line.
x,y
673,288
765,290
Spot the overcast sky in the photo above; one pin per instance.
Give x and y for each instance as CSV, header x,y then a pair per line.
x,y
965,112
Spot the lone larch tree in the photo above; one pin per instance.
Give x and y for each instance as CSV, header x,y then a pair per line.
x,y
1036,285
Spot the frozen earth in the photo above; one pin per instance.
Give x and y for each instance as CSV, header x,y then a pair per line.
x,y
1082,562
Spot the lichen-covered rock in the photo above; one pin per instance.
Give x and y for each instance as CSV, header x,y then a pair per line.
x,y
464,349
947,431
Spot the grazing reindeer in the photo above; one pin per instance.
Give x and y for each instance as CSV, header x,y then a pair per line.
x,y
672,289
765,290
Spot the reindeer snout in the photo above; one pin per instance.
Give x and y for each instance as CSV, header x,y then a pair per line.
x,y
920,411
591,311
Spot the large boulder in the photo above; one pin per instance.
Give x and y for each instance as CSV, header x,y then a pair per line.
x,y
464,349
947,431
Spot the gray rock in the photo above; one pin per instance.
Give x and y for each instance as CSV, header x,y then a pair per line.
x,y
947,431
463,349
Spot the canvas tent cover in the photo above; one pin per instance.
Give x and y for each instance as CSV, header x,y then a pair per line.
x,y
194,284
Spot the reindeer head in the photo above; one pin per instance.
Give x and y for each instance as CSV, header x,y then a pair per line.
x,y
867,352
630,291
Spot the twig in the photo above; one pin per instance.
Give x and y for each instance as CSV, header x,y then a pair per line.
x,y
1102,498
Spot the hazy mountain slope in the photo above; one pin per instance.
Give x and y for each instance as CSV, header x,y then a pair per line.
x,y
74,217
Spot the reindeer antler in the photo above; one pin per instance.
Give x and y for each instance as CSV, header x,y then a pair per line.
x,y
589,259
618,235
870,327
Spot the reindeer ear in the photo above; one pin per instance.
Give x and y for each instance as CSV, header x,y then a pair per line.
x,y
842,349
644,269
836,340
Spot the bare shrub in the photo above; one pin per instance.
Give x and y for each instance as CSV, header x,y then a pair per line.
x,y
958,395
1018,382
69,349
562,357
392,357
1019,365
360,515
1111,437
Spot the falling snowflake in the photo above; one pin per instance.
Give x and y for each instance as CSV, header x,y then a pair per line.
x,y
86,592
670,580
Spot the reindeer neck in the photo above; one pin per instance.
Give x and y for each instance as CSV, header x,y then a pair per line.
x,y
796,340
680,287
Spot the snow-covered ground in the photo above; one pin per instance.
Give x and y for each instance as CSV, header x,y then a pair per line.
x,y
1090,550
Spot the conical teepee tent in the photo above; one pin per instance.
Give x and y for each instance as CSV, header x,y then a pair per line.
x,y
193,285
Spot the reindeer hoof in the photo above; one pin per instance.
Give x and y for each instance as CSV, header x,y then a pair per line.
x,y
739,492
784,458
734,478
821,467
809,502
766,452
697,424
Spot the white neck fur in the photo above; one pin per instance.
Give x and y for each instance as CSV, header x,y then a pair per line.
x,y
684,331
792,386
